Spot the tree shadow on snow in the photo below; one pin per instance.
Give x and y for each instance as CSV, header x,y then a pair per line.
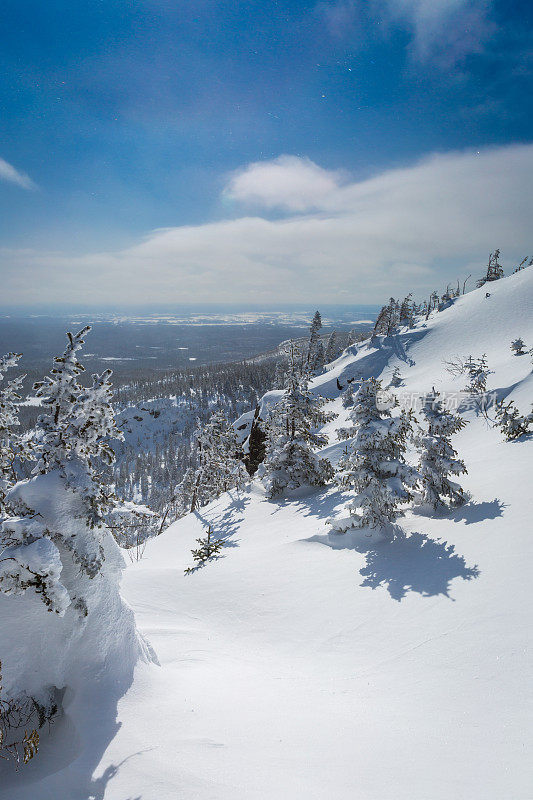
x,y
404,563
225,523
471,513
97,787
396,342
414,563
313,503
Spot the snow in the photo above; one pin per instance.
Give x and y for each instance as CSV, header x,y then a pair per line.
x,y
308,665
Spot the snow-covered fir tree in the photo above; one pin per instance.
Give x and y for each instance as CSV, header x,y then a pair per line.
x,y
517,346
511,422
477,370
290,459
381,324
219,465
55,539
332,348
375,467
14,448
494,270
347,396
279,376
396,379
315,350
388,319
406,313
438,459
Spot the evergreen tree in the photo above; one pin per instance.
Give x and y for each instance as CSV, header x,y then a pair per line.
x,y
375,467
388,319
13,447
347,396
256,444
219,466
396,379
438,458
56,539
511,422
478,372
406,314
279,376
381,323
517,346
291,436
315,350
209,548
494,270
59,393
332,349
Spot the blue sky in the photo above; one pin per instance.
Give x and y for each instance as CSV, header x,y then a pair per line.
x,y
206,119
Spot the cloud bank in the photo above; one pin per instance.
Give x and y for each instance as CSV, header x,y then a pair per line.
x,y
446,30
442,31
414,228
11,175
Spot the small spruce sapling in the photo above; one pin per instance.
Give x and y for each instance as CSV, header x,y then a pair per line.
x,y
209,548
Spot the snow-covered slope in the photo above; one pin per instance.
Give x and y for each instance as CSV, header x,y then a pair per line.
x,y
301,666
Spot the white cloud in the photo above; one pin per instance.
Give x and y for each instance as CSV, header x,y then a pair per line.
x,y
444,30
287,182
12,175
414,228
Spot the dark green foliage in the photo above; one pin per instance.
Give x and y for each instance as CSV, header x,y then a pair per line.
x,y
209,548
511,422
256,445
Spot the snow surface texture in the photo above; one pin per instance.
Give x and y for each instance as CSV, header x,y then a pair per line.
x,y
309,665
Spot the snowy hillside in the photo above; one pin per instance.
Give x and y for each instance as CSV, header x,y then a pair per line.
x,y
307,665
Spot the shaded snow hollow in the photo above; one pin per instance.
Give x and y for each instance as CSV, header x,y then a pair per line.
x,y
304,666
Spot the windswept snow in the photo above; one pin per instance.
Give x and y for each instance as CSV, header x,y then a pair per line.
x,y
303,664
